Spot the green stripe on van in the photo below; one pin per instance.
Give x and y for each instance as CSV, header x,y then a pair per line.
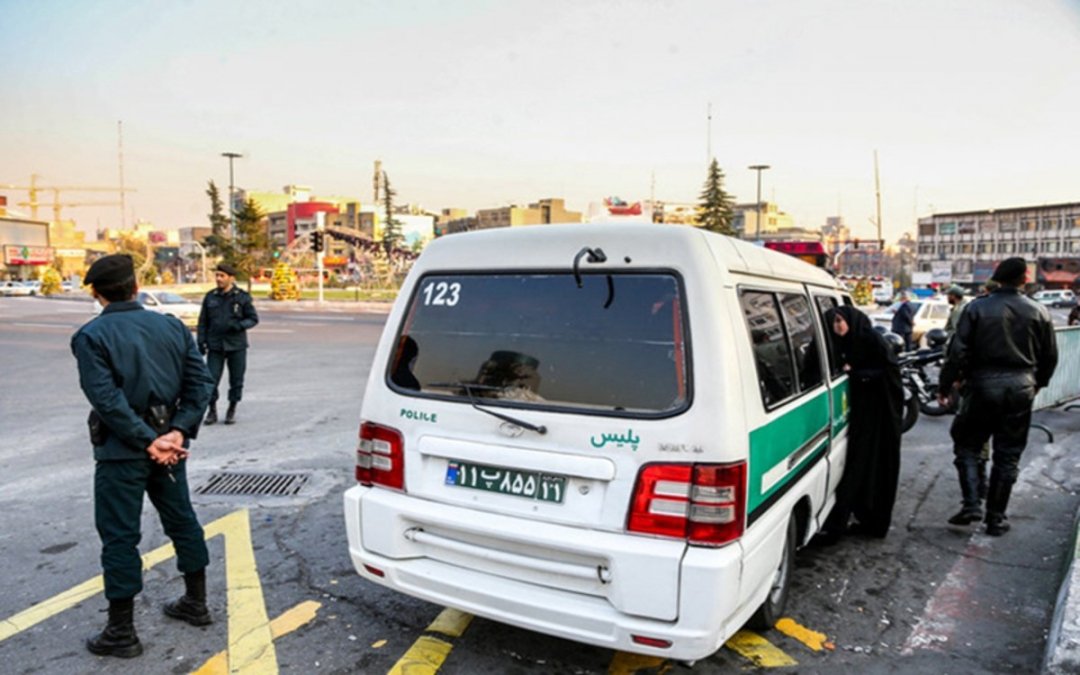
x,y
773,443
841,407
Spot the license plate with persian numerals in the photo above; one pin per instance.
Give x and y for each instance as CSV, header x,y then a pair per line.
x,y
528,484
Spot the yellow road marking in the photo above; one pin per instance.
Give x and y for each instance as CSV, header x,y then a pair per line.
x,y
218,664
811,638
759,650
450,622
625,663
251,644
424,658
71,597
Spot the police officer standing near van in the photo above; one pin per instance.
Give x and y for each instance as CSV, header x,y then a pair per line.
x,y
227,314
1002,353
148,388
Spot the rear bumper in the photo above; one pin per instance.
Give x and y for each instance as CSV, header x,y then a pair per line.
x,y
706,583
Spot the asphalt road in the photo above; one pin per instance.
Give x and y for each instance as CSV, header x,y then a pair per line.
x,y
929,598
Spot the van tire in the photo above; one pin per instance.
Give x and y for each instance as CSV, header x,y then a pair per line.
x,y
773,608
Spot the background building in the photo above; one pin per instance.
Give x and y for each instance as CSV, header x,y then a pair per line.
x,y
964,247
25,246
772,219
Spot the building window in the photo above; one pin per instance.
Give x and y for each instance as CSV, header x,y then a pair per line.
x,y
986,247
967,248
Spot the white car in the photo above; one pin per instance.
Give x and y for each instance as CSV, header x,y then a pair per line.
x,y
164,302
1055,298
12,288
928,314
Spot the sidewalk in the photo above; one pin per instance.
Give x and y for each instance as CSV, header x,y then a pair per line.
x,y
1063,642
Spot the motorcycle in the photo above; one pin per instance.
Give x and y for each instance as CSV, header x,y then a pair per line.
x,y
920,389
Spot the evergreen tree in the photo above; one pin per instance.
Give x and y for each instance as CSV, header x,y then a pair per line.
x,y
715,212
391,231
218,244
250,249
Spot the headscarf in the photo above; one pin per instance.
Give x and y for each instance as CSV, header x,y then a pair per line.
x,y
862,347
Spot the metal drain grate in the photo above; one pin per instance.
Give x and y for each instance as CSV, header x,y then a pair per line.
x,y
270,484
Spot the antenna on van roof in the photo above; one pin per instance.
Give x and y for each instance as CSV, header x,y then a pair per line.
x,y
596,255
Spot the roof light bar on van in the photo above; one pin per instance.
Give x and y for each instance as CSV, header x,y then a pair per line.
x,y
702,503
380,456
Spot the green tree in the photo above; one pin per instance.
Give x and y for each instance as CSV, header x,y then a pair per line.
x,y
219,243
391,231
251,247
715,212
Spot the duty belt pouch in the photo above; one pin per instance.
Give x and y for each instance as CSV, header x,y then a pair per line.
x,y
158,417
98,431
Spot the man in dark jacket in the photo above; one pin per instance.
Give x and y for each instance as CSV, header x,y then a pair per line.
x,y
227,314
903,321
1004,350
148,387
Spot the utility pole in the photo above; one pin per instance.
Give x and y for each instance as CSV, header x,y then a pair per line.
x,y
757,226
877,193
232,213
120,152
320,225
708,136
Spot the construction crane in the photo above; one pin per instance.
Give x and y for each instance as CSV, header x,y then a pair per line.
x,y
34,188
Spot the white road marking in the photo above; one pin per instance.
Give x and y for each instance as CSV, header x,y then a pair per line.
x,y
44,325
276,330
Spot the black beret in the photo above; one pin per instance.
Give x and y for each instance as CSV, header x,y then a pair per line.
x,y
110,270
227,269
1011,271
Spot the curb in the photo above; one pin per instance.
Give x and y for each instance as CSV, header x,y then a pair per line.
x,y
1063,642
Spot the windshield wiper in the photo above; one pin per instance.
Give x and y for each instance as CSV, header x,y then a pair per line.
x,y
468,387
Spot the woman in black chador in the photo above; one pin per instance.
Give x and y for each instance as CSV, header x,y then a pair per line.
x,y
868,488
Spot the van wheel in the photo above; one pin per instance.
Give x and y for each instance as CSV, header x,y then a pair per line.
x,y
773,608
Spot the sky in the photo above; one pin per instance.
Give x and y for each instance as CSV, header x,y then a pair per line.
x,y
969,104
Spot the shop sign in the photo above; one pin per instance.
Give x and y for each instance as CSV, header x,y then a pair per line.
x,y
71,253
941,272
27,255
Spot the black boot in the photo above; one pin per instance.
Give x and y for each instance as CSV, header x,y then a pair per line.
x,y
983,486
191,606
118,638
967,469
997,500
230,414
211,415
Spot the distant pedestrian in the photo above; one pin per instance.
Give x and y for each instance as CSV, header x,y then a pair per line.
x,y
955,297
1003,352
148,389
1074,315
226,316
903,320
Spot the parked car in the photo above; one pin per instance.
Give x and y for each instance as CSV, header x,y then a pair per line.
x,y
928,314
164,302
1056,298
13,288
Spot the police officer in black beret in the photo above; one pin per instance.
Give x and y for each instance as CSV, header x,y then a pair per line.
x,y
1004,350
148,387
227,314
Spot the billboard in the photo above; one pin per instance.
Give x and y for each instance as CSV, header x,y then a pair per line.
x,y
27,255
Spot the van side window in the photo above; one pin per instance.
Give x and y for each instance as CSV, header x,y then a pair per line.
x,y
836,369
772,354
804,342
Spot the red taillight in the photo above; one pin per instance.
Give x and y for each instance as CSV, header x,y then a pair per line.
x,y
702,503
380,457
651,641
375,570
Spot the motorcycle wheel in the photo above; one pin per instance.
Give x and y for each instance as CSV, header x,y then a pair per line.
x,y
932,407
911,410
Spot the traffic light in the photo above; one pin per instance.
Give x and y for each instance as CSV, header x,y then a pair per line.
x,y
317,241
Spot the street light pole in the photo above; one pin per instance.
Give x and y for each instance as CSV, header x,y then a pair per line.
x,y
232,213
757,225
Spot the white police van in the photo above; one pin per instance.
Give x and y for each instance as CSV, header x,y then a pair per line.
x,y
613,433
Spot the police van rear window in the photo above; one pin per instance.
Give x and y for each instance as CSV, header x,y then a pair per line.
x,y
618,344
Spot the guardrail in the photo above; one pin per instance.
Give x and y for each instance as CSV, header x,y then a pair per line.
x,y
1065,384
